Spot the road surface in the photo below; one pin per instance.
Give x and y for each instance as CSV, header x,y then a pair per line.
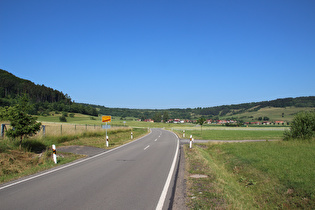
x,y
134,176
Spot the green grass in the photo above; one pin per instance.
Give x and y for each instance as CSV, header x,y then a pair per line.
x,y
235,134
117,137
17,163
264,175
291,162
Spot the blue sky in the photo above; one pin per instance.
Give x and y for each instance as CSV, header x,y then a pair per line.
x,y
160,54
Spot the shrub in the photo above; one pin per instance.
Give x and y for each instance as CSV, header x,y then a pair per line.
x,y
302,126
34,146
62,119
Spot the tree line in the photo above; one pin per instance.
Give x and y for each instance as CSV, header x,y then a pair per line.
x,y
42,99
12,86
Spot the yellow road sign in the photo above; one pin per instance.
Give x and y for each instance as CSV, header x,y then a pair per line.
x,y
106,118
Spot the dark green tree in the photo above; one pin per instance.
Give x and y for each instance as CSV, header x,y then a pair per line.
x,y
157,117
302,127
201,121
266,118
62,119
165,117
23,124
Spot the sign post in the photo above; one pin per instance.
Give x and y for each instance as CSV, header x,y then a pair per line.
x,y
106,119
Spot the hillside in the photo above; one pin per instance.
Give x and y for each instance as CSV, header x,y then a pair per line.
x,y
279,109
45,99
42,98
12,86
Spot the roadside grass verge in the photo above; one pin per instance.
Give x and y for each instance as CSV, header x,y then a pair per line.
x,y
16,163
260,175
233,134
36,153
116,137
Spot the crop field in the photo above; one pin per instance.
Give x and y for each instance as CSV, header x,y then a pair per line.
x,y
260,175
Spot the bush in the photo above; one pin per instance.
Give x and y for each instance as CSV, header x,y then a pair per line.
x,y
62,119
302,126
34,146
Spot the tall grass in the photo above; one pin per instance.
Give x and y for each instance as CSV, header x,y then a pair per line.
x,y
60,129
267,175
291,162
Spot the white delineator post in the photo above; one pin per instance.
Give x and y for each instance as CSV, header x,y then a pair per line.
x,y
106,141
131,136
54,153
190,141
183,133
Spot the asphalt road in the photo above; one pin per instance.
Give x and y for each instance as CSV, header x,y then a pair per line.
x,y
131,177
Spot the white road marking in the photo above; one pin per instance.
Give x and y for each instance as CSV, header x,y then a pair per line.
x,y
168,180
155,140
146,147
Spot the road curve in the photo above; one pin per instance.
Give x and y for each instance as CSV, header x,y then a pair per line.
x,y
130,177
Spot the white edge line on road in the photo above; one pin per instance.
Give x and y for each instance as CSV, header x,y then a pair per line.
x,y
168,180
71,164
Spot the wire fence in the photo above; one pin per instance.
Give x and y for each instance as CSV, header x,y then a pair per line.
x,y
58,129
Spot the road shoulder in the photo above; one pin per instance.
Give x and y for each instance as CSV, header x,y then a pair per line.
x,y
179,202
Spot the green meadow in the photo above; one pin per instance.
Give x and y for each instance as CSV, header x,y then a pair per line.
x,y
233,133
260,175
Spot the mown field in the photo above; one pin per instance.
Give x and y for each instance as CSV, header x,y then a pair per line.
x,y
260,175
225,133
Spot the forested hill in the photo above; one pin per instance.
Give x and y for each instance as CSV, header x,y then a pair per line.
x,y
255,106
208,112
42,98
12,86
